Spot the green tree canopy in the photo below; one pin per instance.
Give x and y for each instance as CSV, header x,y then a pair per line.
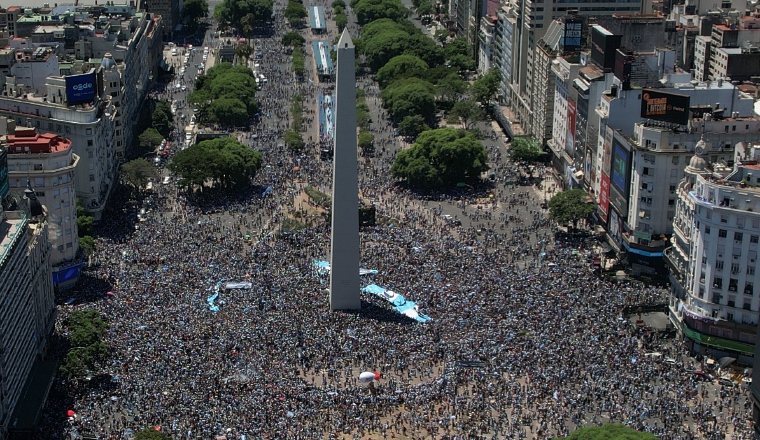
x,y
384,39
341,21
152,434
195,9
150,139
410,96
162,118
570,206
402,66
243,50
227,93
371,10
425,8
366,140
295,13
223,161
413,125
340,3
293,39
484,88
441,158
451,88
233,11
467,112
86,330
294,140
526,149
607,432
138,172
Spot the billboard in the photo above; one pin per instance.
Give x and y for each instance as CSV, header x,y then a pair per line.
x,y
570,138
81,88
573,38
623,66
604,46
4,182
621,166
618,201
665,106
604,196
607,152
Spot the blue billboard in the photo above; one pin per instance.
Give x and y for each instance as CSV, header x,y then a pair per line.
x,y
80,88
620,167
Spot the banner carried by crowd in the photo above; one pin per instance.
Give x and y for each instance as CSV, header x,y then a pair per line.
x,y
323,269
400,304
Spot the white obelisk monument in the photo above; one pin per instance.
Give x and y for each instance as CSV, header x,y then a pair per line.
x,y
344,257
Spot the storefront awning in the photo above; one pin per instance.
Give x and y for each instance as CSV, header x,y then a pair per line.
x,y
714,341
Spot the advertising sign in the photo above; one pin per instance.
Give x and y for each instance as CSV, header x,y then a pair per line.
x,y
80,88
604,45
604,196
570,138
4,182
618,201
623,67
620,167
665,106
607,153
572,41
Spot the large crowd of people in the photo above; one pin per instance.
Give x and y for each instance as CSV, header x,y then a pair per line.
x,y
525,340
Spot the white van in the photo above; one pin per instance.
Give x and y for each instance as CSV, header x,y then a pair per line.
x,y
174,51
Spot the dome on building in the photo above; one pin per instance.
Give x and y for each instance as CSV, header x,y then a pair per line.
x,y
35,207
108,63
698,164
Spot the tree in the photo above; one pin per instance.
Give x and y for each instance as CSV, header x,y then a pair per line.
x,y
229,111
84,221
340,3
402,66
384,39
294,140
150,139
485,87
195,9
341,21
370,10
138,172
526,149
223,161
608,431
86,330
451,88
413,125
87,244
366,141
441,158
299,64
293,39
162,118
425,8
441,35
236,11
227,94
295,13
152,434
410,96
243,50
467,112
570,206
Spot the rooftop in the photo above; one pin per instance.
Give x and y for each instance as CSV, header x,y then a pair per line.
x,y
10,231
28,141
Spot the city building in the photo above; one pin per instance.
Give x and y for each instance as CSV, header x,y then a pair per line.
x,y
48,162
170,12
486,44
26,293
713,260
730,51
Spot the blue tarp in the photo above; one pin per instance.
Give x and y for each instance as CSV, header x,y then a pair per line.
x,y
67,274
322,57
317,18
400,304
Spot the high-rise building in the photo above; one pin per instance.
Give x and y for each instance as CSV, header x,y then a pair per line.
x,y
716,233
27,314
169,10
48,162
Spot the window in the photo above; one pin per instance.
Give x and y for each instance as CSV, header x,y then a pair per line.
x,y
747,305
92,177
60,248
753,238
707,229
718,283
733,284
750,270
749,289
90,154
724,219
716,298
88,131
89,142
704,260
68,245
735,268
719,265
738,236
722,233
672,188
38,167
732,301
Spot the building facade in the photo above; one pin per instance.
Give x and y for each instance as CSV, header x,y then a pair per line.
x,y
47,161
713,260
26,292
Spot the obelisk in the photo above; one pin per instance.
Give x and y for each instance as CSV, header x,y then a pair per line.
x,y
344,256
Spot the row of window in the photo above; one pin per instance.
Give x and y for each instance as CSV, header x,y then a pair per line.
x,y
738,236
